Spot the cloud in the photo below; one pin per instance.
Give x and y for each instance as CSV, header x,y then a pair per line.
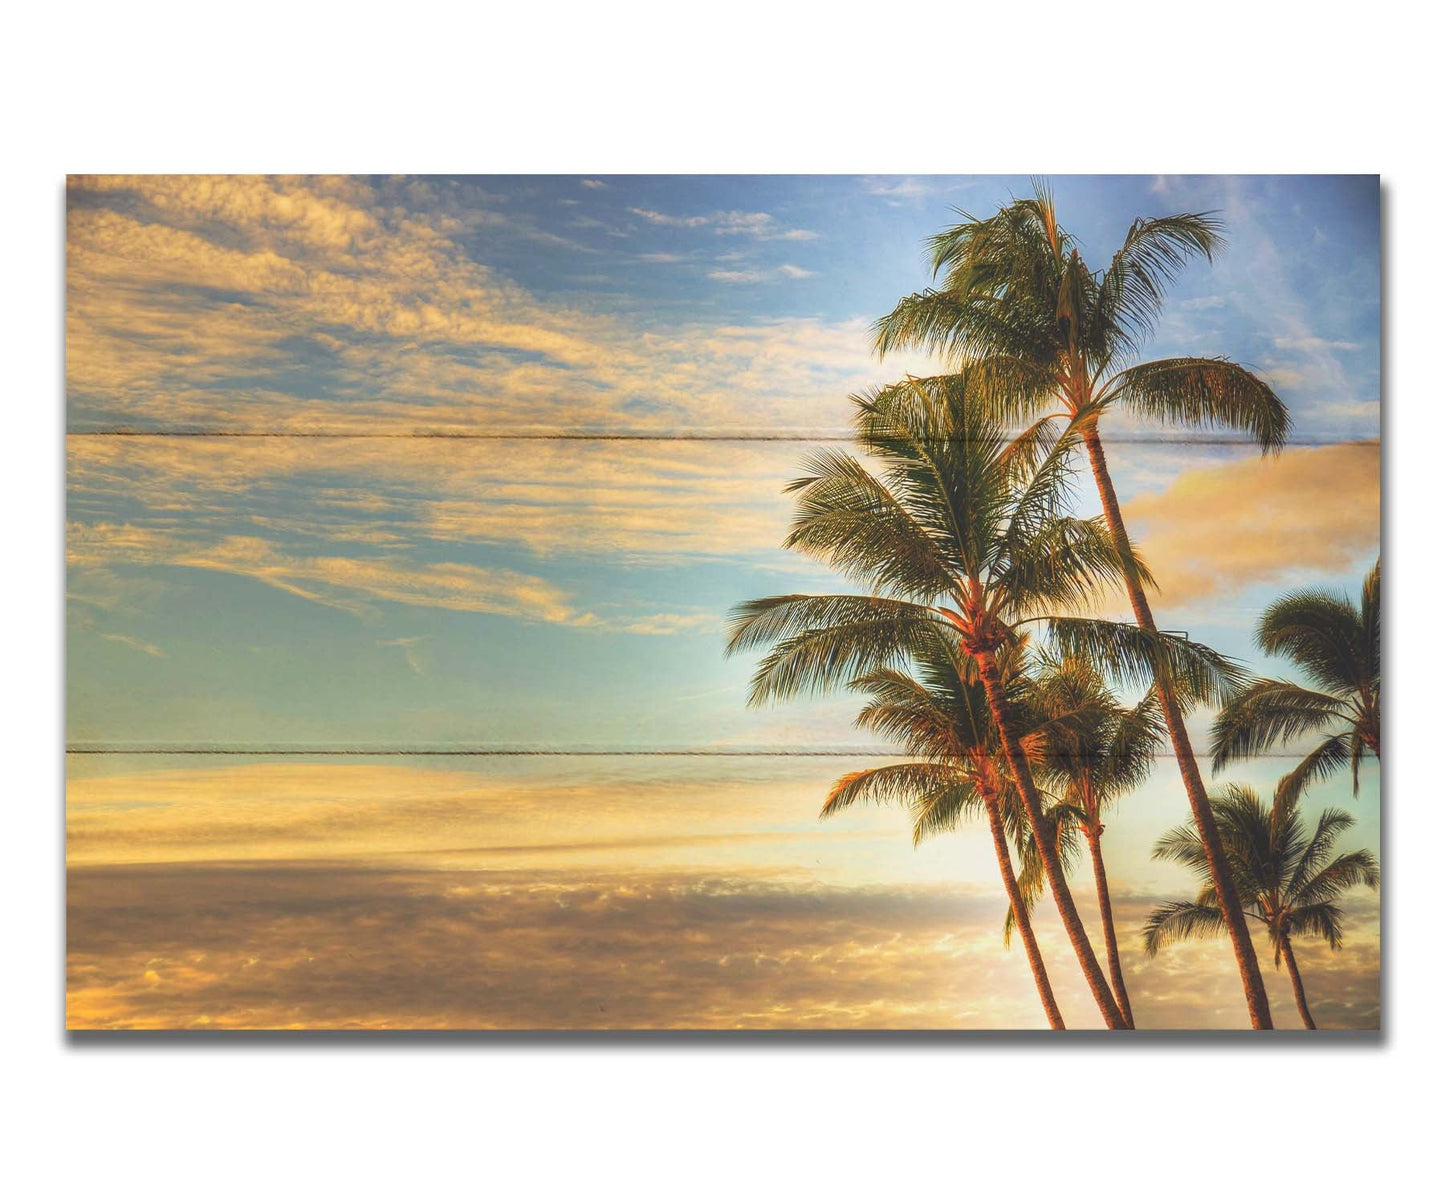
x,y
534,892
663,219
593,184
907,188
132,642
670,623
1313,343
540,814
664,501
278,304
785,271
761,226
311,945
898,190
340,581
414,648
1214,531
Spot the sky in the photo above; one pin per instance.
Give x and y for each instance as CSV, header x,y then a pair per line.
x,y
264,555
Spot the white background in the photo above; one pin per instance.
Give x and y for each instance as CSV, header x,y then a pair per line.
x,y
736,87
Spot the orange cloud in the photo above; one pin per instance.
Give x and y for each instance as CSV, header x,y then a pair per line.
x,y
1214,531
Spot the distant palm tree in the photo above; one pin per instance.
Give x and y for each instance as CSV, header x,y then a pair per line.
x,y
943,720
1338,646
1022,310
963,536
1096,751
1283,877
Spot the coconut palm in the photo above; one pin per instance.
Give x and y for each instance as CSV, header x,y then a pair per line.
x,y
962,535
942,720
1019,306
1096,751
1283,876
1337,645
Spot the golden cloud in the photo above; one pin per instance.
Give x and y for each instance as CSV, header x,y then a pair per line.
x,y
178,287
1214,531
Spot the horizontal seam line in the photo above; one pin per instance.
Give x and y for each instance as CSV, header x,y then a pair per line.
x,y
570,437
155,750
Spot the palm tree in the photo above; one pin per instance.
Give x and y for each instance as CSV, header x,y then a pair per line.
x,y
1019,305
1283,877
943,721
963,536
1096,751
1337,645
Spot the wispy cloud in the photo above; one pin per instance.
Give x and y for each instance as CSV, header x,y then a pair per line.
x,y
130,641
898,190
907,188
414,648
784,271
761,226
202,301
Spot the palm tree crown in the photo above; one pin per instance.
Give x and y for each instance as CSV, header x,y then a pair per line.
x,y
1097,748
964,533
1096,751
1285,876
1018,301
1337,646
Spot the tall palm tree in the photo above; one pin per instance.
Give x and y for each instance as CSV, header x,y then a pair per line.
x,y
1096,751
1282,875
1337,645
962,535
1019,305
941,717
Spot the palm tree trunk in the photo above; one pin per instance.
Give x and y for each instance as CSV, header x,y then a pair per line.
x,y
1021,913
1254,995
1106,913
1053,868
1296,982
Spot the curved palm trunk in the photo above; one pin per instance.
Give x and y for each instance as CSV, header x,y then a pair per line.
x,y
1053,868
1254,995
1296,982
1021,913
1106,913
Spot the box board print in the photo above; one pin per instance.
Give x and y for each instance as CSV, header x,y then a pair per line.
x,y
723,603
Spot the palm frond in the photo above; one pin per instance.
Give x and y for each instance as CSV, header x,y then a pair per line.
x,y
1360,868
1320,632
1331,755
1266,713
1180,920
899,784
1154,252
823,642
850,520
1324,920
1207,394
1134,656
